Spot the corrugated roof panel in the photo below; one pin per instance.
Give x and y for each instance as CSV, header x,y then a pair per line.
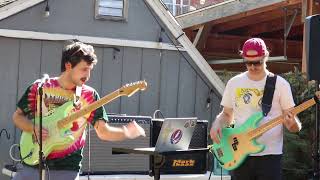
x,y
6,2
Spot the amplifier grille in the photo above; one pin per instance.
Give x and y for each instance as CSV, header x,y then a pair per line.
x,y
102,161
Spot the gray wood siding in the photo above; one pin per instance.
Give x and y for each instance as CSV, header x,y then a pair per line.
x,y
9,68
151,69
131,72
202,92
187,90
50,61
95,76
112,76
169,83
174,86
29,64
77,18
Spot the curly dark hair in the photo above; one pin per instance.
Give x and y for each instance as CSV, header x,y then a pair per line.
x,y
75,52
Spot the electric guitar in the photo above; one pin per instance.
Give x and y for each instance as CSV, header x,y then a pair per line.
x,y
60,122
237,143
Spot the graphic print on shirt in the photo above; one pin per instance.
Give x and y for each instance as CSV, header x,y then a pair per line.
x,y
248,97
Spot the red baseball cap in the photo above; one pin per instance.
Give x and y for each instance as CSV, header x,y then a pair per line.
x,y
254,48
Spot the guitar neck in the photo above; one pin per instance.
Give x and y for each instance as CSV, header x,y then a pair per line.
x,y
278,120
89,108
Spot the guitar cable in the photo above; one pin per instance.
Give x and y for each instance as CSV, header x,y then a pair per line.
x,y
14,167
212,168
214,157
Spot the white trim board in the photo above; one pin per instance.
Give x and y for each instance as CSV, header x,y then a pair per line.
x,y
16,7
235,61
86,39
195,55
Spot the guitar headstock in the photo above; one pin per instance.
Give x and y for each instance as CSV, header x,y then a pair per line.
x,y
131,88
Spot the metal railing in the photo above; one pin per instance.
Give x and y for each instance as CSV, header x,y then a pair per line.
x,y
178,7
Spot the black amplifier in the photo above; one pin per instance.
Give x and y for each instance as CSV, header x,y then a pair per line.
x,y
98,157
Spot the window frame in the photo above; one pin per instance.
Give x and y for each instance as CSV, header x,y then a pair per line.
x,y
178,7
124,16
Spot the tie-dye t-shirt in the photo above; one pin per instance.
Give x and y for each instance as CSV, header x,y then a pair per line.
x,y
68,156
244,96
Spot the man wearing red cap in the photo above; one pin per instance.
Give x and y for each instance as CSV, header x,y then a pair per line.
x,y
242,98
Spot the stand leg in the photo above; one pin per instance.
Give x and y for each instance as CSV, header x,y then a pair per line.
x,y
158,161
156,174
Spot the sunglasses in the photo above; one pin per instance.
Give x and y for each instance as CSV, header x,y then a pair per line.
x,y
84,51
255,63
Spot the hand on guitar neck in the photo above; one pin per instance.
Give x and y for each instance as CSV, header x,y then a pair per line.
x,y
291,121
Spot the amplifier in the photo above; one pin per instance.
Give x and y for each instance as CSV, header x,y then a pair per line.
x,y
188,163
98,157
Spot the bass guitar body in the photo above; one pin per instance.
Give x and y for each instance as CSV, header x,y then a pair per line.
x,y
235,144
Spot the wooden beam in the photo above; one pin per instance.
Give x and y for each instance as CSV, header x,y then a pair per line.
x,y
219,55
269,26
197,38
233,61
228,46
231,11
263,16
274,67
16,7
202,37
296,34
314,7
100,41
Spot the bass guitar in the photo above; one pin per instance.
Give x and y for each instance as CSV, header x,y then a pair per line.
x,y
237,143
60,122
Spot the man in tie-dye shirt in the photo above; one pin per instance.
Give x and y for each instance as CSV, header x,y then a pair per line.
x,y
64,161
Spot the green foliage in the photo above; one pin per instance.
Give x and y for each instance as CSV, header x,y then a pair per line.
x,y
225,75
298,147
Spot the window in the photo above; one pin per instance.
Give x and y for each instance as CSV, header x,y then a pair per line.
x,y
177,7
111,9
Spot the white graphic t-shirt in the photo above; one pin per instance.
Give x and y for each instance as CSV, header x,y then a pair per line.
x,y
244,96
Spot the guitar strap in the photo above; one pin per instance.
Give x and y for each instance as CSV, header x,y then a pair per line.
x,y
268,93
76,97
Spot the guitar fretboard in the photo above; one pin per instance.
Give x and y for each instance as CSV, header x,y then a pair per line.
x,y
278,120
88,109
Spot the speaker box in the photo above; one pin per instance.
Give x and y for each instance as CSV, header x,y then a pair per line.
x,y
98,157
188,163
312,44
